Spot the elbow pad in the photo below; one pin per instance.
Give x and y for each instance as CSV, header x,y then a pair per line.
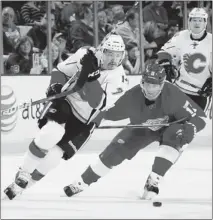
x,y
198,122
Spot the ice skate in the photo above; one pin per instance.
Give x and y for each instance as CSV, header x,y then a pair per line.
x,y
151,189
74,188
16,188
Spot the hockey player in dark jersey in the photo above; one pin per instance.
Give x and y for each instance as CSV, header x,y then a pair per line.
x,y
154,101
66,124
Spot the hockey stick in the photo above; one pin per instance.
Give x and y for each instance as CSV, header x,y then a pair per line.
x,y
143,125
48,99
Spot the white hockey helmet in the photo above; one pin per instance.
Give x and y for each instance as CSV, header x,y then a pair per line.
x,y
112,42
198,13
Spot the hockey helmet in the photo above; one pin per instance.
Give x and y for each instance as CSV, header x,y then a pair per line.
x,y
111,42
153,79
197,13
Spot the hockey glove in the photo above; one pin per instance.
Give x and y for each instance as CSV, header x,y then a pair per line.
x,y
89,71
54,89
165,60
186,133
177,135
206,90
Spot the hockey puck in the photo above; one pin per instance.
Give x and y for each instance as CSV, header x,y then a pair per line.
x,y
157,204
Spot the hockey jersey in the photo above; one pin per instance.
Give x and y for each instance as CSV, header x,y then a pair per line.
x,y
194,58
96,95
171,105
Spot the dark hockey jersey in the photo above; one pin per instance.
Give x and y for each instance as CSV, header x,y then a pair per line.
x,y
171,105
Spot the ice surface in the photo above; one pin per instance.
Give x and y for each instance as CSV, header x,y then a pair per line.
x,y
186,191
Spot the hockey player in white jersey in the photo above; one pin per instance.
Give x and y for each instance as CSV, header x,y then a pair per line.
x,y
67,124
191,53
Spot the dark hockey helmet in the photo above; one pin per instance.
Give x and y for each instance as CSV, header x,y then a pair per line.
x,y
153,79
154,73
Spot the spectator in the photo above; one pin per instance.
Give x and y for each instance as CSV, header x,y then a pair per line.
x,y
67,12
39,33
41,67
154,38
80,33
157,13
11,32
109,14
152,35
57,7
132,63
172,30
118,14
129,30
60,40
174,12
31,13
208,8
20,62
103,27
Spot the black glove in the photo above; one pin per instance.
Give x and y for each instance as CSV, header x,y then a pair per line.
x,y
206,90
89,64
165,60
186,133
54,89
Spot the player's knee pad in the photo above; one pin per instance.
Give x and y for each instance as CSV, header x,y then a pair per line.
x,y
174,136
49,135
112,156
51,161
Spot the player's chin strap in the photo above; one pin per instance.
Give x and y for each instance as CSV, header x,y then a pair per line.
x,y
143,125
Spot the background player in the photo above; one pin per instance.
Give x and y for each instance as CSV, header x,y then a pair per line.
x,y
191,53
155,101
67,124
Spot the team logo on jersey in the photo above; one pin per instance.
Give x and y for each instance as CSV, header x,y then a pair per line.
x,y
157,122
194,63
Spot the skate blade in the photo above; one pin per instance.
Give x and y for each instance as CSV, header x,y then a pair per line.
x,y
148,195
4,197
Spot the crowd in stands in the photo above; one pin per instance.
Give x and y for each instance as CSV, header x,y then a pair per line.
x,y
25,28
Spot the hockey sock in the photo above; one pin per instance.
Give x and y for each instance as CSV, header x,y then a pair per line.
x,y
89,176
48,163
47,138
161,166
95,171
32,158
164,159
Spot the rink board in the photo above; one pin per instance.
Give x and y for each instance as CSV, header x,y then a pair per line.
x,y
26,88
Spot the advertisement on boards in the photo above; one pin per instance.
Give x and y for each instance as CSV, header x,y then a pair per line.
x,y
16,90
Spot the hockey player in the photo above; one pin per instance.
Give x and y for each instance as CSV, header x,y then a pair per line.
x,y
154,101
191,53
66,124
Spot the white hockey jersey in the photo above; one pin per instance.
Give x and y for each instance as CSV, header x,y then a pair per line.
x,y
194,58
96,95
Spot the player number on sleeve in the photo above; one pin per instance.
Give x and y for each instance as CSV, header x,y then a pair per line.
x,y
190,109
